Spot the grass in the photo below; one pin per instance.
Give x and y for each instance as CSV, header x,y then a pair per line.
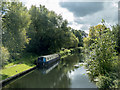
x,y
14,70
9,65
25,63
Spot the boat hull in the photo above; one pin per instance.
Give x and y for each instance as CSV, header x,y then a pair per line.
x,y
47,63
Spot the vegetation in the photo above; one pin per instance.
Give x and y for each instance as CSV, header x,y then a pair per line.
x,y
8,72
13,68
37,31
4,55
65,52
103,61
49,32
27,34
14,34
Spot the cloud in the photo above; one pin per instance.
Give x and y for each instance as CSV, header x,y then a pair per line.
x,y
79,13
119,13
51,5
75,25
81,9
109,13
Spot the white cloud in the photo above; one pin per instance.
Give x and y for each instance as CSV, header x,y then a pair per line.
x,y
109,13
51,5
115,4
75,25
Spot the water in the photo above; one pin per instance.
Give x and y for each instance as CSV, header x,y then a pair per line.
x,y
62,75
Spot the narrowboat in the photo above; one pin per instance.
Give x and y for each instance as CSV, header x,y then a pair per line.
x,y
43,61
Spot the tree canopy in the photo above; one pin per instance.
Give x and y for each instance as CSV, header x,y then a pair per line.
x,y
36,30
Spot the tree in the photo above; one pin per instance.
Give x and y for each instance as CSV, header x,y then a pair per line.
x,y
79,34
103,59
15,24
48,32
116,33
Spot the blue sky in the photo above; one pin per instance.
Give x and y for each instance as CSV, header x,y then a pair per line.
x,y
81,14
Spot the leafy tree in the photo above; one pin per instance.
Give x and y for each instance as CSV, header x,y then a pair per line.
x,y
71,40
15,23
78,34
86,42
103,59
48,32
116,33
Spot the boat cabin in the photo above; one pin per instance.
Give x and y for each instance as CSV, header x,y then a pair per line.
x,y
47,58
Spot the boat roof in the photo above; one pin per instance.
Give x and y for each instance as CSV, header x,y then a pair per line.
x,y
49,55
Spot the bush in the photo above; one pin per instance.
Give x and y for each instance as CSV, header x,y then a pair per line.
x,y
65,52
116,84
78,50
72,51
104,82
4,56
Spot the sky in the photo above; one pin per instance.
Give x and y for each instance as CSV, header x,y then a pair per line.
x,y
81,14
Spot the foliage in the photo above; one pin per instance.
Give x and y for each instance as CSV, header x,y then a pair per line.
x,y
104,82
26,62
48,32
65,52
37,31
103,59
116,33
15,23
80,35
4,55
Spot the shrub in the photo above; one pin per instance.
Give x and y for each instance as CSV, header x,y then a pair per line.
x,y
104,82
4,56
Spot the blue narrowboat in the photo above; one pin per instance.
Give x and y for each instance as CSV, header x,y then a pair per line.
x,y
43,61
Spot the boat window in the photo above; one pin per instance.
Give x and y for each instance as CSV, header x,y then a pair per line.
x,y
44,59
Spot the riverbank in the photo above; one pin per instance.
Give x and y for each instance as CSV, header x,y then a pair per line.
x,y
64,75
16,67
8,80
27,62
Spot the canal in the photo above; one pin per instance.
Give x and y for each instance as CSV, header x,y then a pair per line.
x,y
63,74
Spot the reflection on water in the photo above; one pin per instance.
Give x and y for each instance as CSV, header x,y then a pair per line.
x,y
62,75
48,69
79,79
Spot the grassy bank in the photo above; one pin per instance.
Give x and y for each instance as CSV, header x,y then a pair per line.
x,y
25,63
